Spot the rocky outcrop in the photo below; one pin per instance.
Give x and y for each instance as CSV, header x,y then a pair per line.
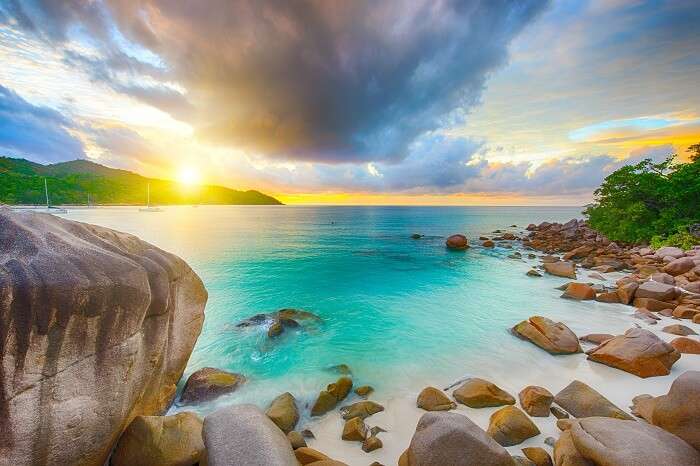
x,y
638,352
553,337
582,401
444,438
167,440
480,393
612,442
433,399
96,327
242,434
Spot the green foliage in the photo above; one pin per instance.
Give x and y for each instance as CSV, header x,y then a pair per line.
x,y
22,182
681,239
649,200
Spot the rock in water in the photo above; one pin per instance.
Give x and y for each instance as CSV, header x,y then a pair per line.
x,y
208,383
638,352
172,440
553,337
561,269
480,393
444,438
457,242
606,441
582,401
243,435
510,426
97,327
283,412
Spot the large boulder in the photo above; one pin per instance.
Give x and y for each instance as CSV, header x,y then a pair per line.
x,y
686,345
480,393
553,337
510,426
679,411
244,435
679,266
283,412
605,441
161,440
564,269
655,290
444,438
580,400
96,327
638,352
670,251
208,383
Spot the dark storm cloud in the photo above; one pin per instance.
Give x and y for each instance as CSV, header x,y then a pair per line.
x,y
331,81
35,132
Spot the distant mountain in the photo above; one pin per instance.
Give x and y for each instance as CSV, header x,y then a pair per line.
x,y
22,182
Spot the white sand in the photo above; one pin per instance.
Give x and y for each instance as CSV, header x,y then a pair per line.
x,y
401,414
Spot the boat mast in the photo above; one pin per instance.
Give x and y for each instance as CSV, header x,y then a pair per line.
x,y
46,190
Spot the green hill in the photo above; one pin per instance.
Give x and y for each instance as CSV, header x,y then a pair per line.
x,y
22,182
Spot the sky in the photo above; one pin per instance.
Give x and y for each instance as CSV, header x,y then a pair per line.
x,y
435,102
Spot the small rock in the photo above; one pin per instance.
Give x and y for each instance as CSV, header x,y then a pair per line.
x,y
306,433
480,393
361,409
550,441
416,236
371,443
538,455
376,430
678,329
354,430
579,291
536,400
433,399
488,244
364,390
533,273
686,345
296,439
208,383
306,455
275,329
510,426
596,338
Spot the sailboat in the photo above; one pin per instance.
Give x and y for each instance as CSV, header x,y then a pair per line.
x,y
148,207
49,209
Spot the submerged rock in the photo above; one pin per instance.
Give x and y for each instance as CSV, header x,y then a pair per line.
x,y
457,242
283,412
510,426
553,337
444,438
364,390
480,393
208,383
242,434
638,352
96,329
582,401
171,440
433,399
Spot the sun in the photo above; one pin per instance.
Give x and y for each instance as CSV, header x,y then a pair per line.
x,y
189,176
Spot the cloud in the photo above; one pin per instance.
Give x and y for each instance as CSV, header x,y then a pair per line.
x,y
36,132
328,81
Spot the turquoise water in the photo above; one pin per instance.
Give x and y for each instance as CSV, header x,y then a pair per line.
x,y
398,311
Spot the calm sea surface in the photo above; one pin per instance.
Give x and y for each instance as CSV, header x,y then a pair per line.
x,y
400,312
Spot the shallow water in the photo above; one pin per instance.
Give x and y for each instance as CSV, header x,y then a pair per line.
x,y
402,313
